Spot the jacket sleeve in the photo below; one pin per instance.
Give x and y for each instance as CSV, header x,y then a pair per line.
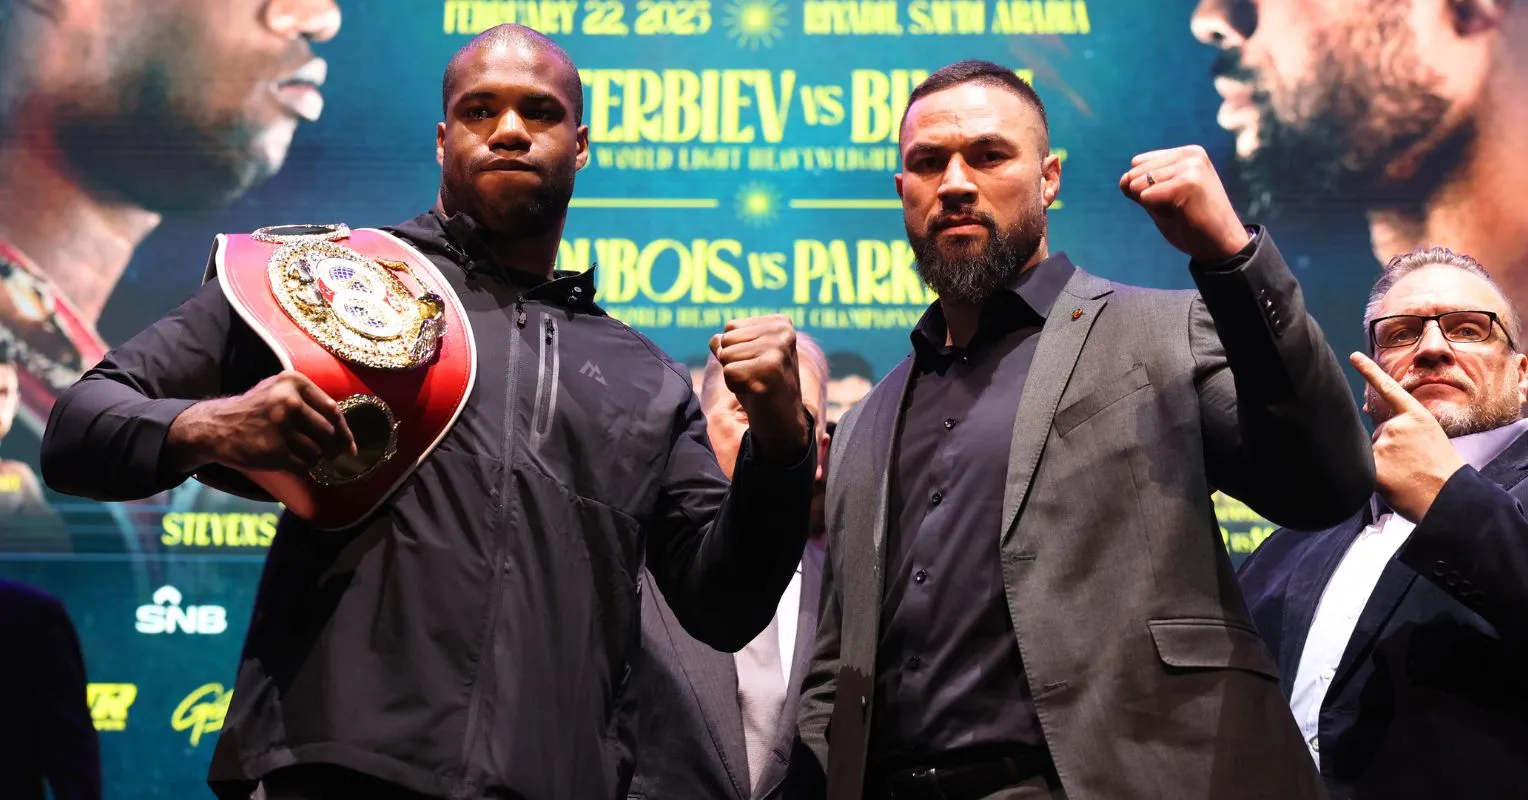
x,y
1473,544
105,433
724,556
1281,430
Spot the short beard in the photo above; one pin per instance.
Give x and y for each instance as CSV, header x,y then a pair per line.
x,y
1336,132
538,214
969,279
1486,414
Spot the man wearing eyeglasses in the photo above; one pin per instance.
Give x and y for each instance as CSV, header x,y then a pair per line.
x,y
1402,634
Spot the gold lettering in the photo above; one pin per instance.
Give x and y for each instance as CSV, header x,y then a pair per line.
x,y
205,529
729,106
109,703
202,711
470,17
850,17
877,102
705,270
947,17
1041,17
171,524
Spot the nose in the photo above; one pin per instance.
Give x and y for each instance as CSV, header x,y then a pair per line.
x,y
1433,349
955,186
510,133
1226,24
314,20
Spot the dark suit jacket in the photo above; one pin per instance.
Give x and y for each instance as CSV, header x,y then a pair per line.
x,y
1146,672
1430,698
689,743
46,734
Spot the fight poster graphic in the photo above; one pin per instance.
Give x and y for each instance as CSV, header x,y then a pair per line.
x,y
742,154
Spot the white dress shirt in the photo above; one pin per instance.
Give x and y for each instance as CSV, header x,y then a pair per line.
x,y
1348,591
788,614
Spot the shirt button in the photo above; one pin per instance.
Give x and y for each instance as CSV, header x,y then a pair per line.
x,y
1328,673
1315,744
921,576
937,498
949,424
914,662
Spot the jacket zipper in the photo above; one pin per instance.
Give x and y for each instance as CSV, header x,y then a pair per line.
x,y
466,784
546,380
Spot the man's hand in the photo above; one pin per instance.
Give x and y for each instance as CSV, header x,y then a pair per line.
x,y
758,358
1183,195
1412,455
284,423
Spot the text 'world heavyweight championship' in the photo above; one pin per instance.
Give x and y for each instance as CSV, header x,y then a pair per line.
x,y
370,321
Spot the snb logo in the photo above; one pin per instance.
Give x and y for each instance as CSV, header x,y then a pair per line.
x,y
165,615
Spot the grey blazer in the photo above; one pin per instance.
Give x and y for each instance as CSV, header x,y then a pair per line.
x,y
1148,676
689,743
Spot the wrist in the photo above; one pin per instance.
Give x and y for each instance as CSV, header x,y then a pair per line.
x,y
1421,495
786,443
187,445
1229,246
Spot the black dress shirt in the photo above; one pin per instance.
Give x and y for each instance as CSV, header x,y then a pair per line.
x,y
949,675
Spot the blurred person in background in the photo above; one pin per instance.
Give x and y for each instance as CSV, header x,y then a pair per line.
x,y
48,744
852,380
27,522
723,725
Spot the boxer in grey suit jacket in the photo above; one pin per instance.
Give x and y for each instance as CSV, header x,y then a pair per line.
x,y
1096,644
692,736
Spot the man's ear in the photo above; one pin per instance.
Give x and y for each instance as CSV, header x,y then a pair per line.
x,y
1050,179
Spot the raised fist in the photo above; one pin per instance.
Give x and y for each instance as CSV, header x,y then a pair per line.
x,y
758,358
1181,191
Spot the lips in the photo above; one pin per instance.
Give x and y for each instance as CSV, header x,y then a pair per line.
x,y
1413,386
299,92
963,225
1237,110
509,165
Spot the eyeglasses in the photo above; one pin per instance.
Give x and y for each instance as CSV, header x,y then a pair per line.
x,y
1463,327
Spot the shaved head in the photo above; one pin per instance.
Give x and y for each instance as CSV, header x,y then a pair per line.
x,y
511,35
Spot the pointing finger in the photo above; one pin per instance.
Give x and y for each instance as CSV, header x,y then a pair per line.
x,y
1385,386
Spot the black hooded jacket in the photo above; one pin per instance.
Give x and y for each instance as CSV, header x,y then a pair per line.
x,y
472,638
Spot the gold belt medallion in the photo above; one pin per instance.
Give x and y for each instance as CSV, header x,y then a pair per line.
x,y
360,310
355,307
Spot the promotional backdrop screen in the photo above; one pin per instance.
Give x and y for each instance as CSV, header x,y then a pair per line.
x,y
742,161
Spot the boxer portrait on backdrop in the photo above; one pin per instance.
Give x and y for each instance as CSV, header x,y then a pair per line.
x,y
1413,111
112,116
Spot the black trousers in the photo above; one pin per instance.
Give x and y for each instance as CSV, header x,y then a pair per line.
x,y
986,774
326,782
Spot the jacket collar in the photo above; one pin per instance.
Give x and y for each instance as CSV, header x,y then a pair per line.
x,y
461,238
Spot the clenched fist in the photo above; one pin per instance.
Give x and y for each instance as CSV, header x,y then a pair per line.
x,y
758,358
1184,196
284,423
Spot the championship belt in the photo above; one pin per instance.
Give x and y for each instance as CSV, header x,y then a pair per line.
x,y
371,322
